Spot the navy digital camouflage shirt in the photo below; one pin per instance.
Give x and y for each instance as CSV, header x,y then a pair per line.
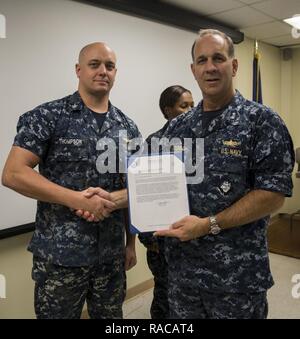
x,y
65,136
246,147
147,238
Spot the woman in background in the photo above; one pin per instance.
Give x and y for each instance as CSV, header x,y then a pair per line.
x,y
173,101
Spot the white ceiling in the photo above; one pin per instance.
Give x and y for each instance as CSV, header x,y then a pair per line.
x,y
257,19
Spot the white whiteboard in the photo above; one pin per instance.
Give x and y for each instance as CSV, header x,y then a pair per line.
x,y
38,59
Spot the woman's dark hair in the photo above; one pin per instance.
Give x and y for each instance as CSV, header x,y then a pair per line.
x,y
170,96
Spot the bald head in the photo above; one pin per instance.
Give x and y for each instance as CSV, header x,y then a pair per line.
x,y
96,69
89,49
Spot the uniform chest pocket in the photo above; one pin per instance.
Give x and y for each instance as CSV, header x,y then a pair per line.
x,y
69,150
226,172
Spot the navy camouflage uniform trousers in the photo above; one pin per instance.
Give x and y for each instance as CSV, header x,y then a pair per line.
x,y
158,266
73,260
156,259
247,147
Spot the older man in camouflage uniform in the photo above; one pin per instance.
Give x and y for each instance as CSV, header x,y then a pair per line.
x,y
74,260
173,101
218,256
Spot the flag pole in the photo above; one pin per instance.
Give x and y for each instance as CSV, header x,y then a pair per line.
x,y
256,56
256,47
257,91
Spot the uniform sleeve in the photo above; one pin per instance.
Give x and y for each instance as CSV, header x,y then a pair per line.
x,y
134,142
34,131
273,156
147,239
147,144
136,139
178,125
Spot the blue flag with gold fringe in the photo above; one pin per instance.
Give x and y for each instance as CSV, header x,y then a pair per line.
x,y
256,89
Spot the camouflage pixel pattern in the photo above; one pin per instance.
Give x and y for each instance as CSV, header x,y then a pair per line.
x,y
64,134
188,302
247,147
60,292
147,238
158,266
156,261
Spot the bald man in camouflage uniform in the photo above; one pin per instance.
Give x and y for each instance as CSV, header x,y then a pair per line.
x,y
218,256
74,260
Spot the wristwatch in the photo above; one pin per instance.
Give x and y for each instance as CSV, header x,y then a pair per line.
x,y
214,227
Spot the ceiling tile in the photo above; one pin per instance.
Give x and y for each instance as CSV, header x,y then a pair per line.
x,y
284,40
279,9
260,19
269,30
249,2
206,7
242,17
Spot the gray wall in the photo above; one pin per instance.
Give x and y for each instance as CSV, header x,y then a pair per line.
x,y
42,42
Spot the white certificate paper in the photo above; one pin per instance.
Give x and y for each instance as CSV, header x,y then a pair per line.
x,y
157,192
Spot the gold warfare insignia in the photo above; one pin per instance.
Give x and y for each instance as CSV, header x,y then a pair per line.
x,y
231,147
178,148
232,143
126,140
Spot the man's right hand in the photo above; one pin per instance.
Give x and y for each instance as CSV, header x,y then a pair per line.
x,y
97,204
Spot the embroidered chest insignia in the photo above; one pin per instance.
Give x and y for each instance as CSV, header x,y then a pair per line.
x,y
226,186
232,143
231,148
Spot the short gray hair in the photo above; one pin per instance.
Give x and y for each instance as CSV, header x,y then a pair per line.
x,y
204,32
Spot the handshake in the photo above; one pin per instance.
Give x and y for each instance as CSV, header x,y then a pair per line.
x,y
96,204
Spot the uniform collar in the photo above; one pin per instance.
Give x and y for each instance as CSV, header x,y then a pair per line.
x,y
165,126
230,116
113,116
75,102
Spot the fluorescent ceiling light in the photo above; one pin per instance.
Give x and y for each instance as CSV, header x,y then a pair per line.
x,y
294,21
